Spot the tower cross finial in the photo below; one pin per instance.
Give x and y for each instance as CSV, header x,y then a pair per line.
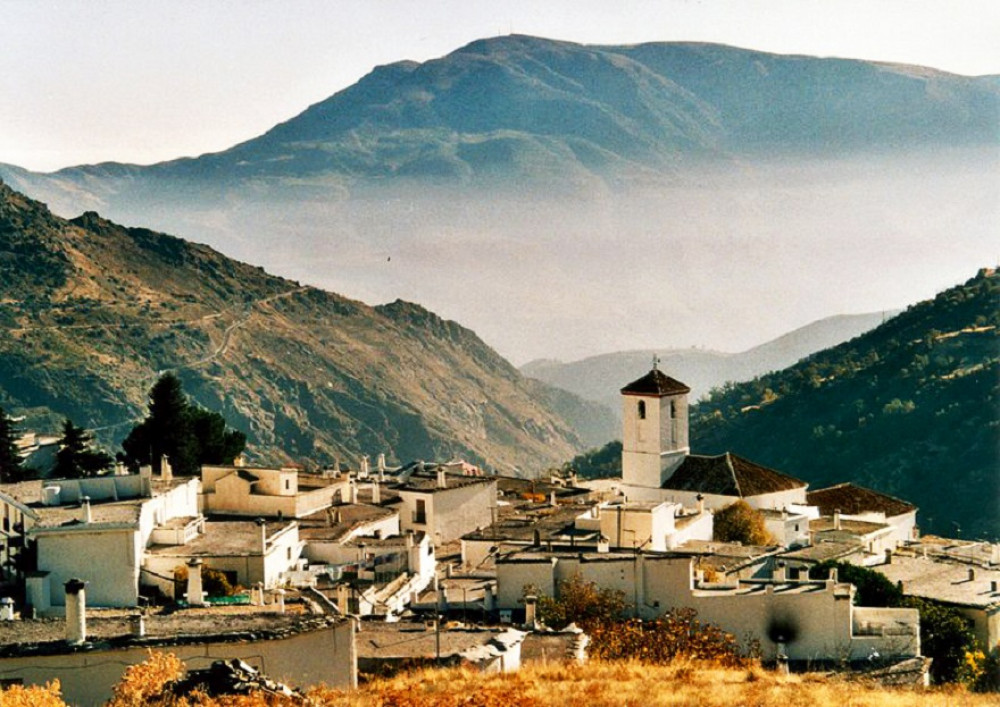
x,y
656,362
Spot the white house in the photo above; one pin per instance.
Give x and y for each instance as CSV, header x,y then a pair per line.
x,y
263,492
446,506
858,503
807,620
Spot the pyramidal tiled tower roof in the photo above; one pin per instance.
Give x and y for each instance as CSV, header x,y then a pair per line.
x,y
655,383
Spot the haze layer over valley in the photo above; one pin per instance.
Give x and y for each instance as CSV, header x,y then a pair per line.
x,y
565,200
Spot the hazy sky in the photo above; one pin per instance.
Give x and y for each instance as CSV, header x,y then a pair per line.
x,y
140,81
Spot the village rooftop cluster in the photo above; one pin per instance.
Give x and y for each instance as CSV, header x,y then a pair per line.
x,y
354,568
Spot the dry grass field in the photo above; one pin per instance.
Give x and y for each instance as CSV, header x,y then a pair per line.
x,y
680,684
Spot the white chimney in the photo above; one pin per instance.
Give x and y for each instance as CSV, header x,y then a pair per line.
x,y
836,519
138,625
6,609
381,466
603,544
195,596
281,599
442,479
779,572
701,503
489,598
85,515
354,492
376,493
146,480
342,596
76,612
166,471
363,473
552,499
530,603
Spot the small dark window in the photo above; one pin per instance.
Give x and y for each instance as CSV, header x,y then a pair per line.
x,y
288,485
642,409
673,408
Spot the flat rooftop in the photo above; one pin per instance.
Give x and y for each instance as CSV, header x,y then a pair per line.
x,y
336,523
112,628
223,538
418,640
943,580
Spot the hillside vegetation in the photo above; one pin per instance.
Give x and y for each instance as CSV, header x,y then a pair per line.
x,y
909,408
91,313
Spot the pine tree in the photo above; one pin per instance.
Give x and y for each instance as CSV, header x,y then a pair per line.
x,y
10,459
75,458
187,435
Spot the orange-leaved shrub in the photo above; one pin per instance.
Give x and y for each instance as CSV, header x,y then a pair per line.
x,y
676,634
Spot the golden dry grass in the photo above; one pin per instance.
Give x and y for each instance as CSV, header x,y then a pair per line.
x,y
680,684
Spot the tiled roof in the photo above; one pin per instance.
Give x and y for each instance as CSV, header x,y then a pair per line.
x,y
853,500
655,383
729,475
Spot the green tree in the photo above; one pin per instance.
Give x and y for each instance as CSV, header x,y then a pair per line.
x,y
75,458
187,435
874,589
738,522
11,469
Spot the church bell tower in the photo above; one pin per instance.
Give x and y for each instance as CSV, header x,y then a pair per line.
x,y
655,428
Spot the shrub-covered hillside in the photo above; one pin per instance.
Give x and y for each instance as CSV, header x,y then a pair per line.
x,y
910,408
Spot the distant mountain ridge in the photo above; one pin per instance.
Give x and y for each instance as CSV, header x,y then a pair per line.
x,y
909,408
92,312
598,378
537,109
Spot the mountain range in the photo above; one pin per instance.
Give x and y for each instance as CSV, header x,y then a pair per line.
x,y
598,378
91,313
611,196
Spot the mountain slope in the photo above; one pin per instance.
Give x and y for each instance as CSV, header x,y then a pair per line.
x,y
91,312
598,378
909,408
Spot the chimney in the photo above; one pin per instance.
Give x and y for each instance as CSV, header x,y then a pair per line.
x,y
138,625
489,600
603,544
995,554
146,480
779,572
354,491
76,612
363,473
336,467
376,493
442,479
281,599
195,596
409,539
262,536
381,466
701,503
240,461
166,472
529,611
552,499
85,515
784,513
836,519
6,609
